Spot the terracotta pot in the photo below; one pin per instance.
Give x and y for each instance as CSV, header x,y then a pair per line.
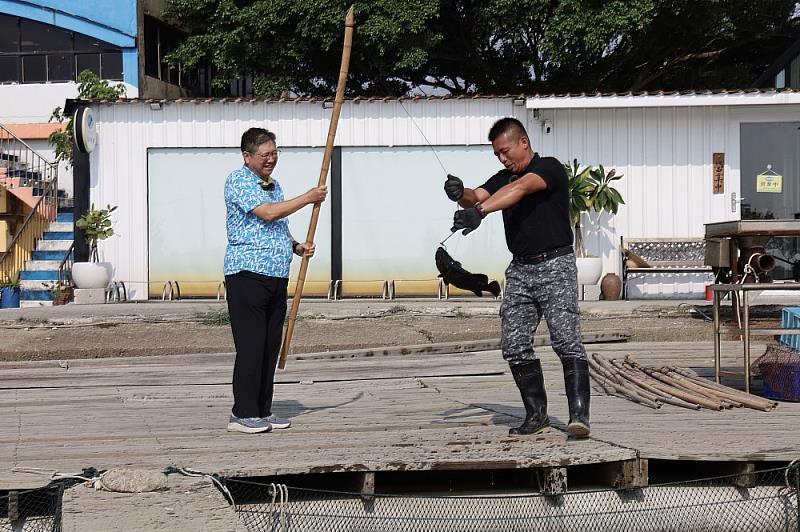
x,y
610,287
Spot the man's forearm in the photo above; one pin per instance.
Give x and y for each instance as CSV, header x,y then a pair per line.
x,y
469,198
280,209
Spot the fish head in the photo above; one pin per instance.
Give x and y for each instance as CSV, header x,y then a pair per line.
x,y
443,260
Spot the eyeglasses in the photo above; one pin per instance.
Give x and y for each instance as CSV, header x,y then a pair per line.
x,y
269,155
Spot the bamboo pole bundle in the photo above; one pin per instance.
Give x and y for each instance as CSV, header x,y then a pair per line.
x,y
642,380
747,399
625,380
681,387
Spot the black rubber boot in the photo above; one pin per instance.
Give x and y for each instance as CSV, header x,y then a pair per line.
x,y
576,380
530,382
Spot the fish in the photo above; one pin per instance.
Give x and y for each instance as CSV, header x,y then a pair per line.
x,y
451,271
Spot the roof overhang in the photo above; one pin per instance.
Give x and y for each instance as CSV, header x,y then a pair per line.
x,y
662,100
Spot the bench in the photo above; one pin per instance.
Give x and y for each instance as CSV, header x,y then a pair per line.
x,y
644,256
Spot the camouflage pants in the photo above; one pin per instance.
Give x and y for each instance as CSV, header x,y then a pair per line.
x,y
550,290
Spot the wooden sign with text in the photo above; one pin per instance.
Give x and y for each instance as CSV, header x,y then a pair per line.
x,y
718,173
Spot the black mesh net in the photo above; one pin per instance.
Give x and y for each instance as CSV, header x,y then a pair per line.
x,y
758,501
779,367
32,510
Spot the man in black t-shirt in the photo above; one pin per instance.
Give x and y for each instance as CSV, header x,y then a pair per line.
x,y
541,281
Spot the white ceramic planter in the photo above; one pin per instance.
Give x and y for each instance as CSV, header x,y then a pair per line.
x,y
91,274
589,269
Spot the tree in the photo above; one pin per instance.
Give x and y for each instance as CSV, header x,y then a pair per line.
x,y
90,87
490,47
292,46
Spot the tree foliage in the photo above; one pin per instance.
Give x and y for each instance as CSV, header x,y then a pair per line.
x,y
491,46
90,87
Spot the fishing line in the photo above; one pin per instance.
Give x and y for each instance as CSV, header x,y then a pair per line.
x,y
445,240
434,154
423,136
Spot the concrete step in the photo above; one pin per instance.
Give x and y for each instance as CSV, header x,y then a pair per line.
x,y
34,303
42,265
61,226
65,217
50,245
50,234
36,294
35,285
38,275
48,255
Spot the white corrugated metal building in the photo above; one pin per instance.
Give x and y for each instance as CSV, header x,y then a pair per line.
x,y
164,163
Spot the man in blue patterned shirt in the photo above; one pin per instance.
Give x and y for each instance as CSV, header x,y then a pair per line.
x,y
257,261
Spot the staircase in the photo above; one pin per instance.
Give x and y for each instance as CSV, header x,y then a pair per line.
x,y
40,278
42,234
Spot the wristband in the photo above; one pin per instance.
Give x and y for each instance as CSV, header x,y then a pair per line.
x,y
295,243
479,208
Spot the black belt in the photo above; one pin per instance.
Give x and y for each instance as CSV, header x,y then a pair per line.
x,y
542,257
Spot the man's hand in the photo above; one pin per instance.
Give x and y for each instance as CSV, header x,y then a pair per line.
x,y
454,188
316,194
305,249
467,219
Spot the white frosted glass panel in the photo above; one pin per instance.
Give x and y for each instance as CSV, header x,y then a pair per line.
x,y
395,213
187,235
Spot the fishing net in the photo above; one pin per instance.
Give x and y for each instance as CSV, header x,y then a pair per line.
x,y
758,501
779,367
32,510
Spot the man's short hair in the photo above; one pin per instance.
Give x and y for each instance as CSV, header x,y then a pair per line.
x,y
510,126
255,137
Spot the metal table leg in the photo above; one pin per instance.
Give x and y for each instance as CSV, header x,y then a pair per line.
x,y
746,339
716,298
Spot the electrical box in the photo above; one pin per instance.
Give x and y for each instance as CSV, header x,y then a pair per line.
x,y
718,252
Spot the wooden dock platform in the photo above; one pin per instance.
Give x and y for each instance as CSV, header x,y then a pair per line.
x,y
389,412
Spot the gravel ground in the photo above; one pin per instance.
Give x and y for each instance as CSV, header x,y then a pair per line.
x,y
207,331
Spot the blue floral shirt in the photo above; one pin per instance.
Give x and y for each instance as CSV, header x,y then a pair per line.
x,y
254,244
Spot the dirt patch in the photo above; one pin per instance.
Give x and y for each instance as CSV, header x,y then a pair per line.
x,y
128,336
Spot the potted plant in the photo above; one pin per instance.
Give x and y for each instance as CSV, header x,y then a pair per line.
x,y
590,190
9,292
96,226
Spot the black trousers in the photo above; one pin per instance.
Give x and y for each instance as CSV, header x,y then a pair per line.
x,y
257,308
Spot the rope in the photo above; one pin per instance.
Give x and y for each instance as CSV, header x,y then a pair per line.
x,y
793,465
55,475
747,270
188,472
281,493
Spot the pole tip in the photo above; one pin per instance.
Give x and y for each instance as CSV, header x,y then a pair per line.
x,y
349,19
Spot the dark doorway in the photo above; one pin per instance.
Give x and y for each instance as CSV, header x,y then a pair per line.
x,y
772,148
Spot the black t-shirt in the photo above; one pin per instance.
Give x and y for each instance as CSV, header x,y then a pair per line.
x,y
539,222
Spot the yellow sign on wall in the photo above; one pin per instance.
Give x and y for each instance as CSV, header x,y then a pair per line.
x,y
769,183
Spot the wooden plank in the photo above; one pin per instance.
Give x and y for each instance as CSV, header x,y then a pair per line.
x,y
364,415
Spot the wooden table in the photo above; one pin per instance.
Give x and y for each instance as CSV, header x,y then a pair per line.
x,y
744,328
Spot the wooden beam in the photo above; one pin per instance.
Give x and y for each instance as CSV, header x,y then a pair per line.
x,y
745,474
625,474
551,480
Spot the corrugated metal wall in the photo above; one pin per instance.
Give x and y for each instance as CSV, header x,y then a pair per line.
x,y
664,152
127,130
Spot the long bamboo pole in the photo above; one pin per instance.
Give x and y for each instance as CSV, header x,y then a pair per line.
x,y
323,177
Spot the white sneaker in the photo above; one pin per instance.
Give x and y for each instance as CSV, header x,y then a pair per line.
x,y
248,425
277,422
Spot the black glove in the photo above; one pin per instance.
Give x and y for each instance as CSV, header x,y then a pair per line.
x,y
453,187
467,219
